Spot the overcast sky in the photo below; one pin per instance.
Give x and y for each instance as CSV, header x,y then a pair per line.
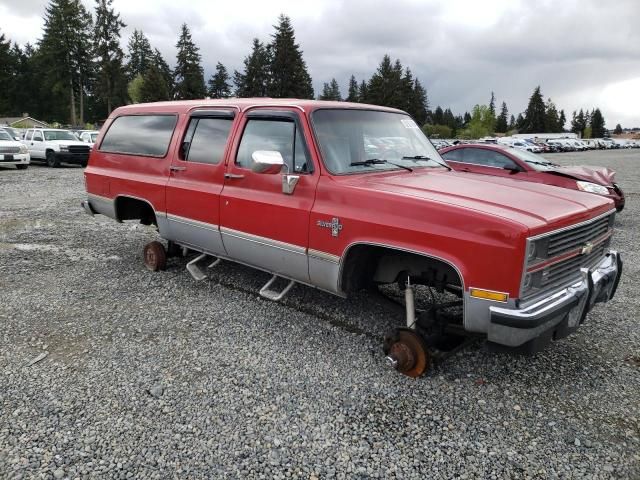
x,y
582,53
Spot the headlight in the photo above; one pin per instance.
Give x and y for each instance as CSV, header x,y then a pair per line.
x,y
23,149
592,188
531,251
64,148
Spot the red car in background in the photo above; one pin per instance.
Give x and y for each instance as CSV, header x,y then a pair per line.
x,y
503,161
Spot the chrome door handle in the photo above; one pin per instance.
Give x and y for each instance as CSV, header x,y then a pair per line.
x,y
233,175
174,168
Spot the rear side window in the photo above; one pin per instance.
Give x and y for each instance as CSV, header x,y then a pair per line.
x,y
206,140
147,135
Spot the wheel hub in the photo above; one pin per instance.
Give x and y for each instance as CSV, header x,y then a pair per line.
x,y
407,353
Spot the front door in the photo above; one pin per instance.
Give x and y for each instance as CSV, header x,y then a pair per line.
x,y
37,145
196,177
260,224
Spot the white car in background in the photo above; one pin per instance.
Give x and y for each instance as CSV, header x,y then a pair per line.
x,y
89,137
13,152
55,146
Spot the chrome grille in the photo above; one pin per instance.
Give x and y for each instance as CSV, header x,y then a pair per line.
x,y
9,150
564,271
568,240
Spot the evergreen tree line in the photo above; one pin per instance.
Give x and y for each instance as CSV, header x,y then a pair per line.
x,y
78,71
539,117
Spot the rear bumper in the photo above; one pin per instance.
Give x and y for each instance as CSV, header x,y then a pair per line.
x,y
533,326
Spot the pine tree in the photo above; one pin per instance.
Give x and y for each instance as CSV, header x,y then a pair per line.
x,y
254,81
438,116
578,123
492,105
418,103
551,118
618,129
512,123
520,122
501,122
363,92
167,74
467,118
188,74
289,75
140,54
352,95
63,54
598,128
219,86
154,86
331,91
8,63
111,86
562,120
385,86
534,115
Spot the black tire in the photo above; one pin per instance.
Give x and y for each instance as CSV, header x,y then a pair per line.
x,y
52,161
22,167
155,256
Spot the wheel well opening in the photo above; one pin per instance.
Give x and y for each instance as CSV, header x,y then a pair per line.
x,y
128,208
368,265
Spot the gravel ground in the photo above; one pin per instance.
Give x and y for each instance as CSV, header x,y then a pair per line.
x,y
108,370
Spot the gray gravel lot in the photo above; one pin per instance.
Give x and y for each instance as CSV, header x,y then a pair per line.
x,y
152,375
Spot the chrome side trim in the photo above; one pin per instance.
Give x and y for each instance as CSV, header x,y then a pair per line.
x,y
327,257
193,223
288,247
103,205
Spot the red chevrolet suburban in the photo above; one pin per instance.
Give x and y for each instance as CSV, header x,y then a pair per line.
x,y
342,196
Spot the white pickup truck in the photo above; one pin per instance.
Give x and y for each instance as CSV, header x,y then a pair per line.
x,y
55,146
12,152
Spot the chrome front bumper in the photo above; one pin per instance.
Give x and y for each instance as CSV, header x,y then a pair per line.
x,y
558,314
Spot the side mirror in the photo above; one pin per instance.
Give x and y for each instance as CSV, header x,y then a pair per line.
x,y
267,161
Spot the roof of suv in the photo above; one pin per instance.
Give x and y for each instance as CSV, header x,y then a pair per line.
x,y
242,104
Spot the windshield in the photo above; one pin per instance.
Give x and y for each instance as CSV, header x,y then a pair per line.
x,y
536,161
58,135
365,140
5,136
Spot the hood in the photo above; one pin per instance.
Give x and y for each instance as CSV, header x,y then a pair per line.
x,y
67,143
534,205
10,143
600,175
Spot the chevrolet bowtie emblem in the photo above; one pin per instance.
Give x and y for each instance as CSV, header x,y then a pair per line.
x,y
587,248
334,225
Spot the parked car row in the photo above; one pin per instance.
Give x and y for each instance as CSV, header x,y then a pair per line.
x,y
519,164
551,145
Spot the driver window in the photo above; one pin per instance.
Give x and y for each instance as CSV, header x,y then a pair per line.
x,y
37,136
276,135
486,158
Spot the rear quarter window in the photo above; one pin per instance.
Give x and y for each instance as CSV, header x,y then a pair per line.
x,y
146,135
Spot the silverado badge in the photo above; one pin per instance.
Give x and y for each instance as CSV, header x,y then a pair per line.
x,y
587,248
334,225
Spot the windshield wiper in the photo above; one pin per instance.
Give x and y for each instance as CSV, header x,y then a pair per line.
x,y
377,161
426,159
544,164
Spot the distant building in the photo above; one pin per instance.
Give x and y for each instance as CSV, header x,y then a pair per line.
x,y
25,121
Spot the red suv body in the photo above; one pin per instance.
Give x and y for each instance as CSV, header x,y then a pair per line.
x,y
503,161
341,196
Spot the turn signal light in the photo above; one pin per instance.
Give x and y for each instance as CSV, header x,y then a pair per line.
x,y
489,295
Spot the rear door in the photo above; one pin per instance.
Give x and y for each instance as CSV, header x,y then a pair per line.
x,y
260,224
196,177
